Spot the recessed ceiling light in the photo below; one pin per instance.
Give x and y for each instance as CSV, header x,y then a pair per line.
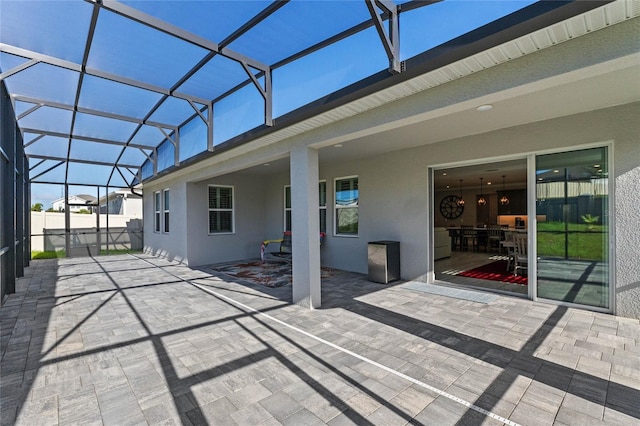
x,y
556,171
485,107
338,145
596,165
488,183
444,174
447,186
266,164
539,178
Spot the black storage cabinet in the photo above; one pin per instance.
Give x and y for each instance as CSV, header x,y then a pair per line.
x,y
384,261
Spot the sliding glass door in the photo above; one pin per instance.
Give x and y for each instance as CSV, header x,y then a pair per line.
x,y
572,198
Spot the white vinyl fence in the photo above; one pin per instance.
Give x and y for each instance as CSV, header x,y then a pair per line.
x,y
47,231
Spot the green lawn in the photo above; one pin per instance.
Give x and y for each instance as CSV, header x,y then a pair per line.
x,y
47,254
583,244
61,253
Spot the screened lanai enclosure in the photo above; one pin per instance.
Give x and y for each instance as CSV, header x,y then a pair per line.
x,y
112,94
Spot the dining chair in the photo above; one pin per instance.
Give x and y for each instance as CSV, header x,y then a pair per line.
x,y
521,260
456,239
494,235
468,236
509,244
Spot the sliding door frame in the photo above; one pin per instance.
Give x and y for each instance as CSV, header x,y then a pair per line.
x,y
530,158
611,217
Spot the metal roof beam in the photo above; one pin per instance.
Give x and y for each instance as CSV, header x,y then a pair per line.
x,y
84,138
329,41
154,162
122,176
149,157
131,171
76,160
50,60
247,26
85,58
265,91
37,164
175,141
17,69
200,114
166,136
210,127
42,102
47,171
27,112
142,85
34,140
157,24
261,16
390,38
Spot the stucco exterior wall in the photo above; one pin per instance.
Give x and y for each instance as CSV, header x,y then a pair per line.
x,y
394,199
171,245
394,190
249,216
394,196
627,224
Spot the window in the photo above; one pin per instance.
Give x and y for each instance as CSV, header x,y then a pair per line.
x,y
322,191
346,206
156,209
165,196
220,209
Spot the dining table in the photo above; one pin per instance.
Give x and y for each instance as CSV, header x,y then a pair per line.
x,y
479,232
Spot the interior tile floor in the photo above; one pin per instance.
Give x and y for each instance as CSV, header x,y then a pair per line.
x,y
574,281
447,268
129,339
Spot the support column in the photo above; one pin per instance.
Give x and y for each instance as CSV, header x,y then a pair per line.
x,y
67,222
305,227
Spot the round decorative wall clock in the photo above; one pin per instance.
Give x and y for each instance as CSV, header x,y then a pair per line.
x,y
449,207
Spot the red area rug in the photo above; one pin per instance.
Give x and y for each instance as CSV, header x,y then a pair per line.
x,y
268,274
495,271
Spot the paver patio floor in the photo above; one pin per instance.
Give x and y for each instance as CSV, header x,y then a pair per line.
x,y
140,340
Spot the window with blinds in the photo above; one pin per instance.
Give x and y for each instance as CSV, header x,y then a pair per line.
x,y
346,206
221,209
322,195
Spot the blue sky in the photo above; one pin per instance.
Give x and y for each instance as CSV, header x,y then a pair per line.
x,y
131,50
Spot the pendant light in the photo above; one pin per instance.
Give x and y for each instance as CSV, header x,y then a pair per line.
x,y
504,200
481,200
460,201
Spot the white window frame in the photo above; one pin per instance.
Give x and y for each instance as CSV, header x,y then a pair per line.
x,y
157,216
165,211
288,209
232,210
321,207
336,207
285,208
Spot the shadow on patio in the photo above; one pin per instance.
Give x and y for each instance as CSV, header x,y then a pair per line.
x,y
135,339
